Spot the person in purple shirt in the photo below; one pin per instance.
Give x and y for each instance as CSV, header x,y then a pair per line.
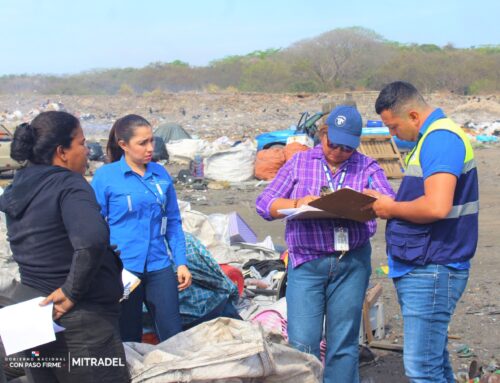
x,y
329,259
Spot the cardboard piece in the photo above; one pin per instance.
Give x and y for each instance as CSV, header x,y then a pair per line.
x,y
345,203
239,230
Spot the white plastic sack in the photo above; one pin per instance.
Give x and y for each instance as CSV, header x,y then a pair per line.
x,y
199,225
219,145
183,151
232,165
222,350
220,223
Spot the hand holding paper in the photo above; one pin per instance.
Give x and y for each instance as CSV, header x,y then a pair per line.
x,y
382,205
26,324
306,200
62,304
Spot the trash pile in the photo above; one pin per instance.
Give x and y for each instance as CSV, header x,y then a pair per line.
x,y
484,132
17,117
477,373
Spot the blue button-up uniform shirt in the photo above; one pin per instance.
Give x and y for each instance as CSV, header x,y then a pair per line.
x,y
134,207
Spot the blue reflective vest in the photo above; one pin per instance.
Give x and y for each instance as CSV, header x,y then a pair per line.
x,y
449,240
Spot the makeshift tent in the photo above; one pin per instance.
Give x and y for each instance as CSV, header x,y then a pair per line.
x,y
171,131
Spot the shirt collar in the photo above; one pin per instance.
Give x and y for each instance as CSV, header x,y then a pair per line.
x,y
125,168
436,114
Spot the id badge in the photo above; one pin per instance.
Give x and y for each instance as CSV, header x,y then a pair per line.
x,y
163,229
341,239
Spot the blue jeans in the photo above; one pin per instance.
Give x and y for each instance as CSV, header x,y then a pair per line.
x,y
335,289
158,290
428,296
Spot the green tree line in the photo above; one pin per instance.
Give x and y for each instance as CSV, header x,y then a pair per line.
x,y
342,59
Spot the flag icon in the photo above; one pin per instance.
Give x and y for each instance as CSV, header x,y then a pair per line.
x,y
35,354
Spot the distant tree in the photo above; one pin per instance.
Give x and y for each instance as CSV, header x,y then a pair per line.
x,y
179,63
126,90
265,76
335,55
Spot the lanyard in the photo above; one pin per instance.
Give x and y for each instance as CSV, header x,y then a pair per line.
x,y
329,177
161,199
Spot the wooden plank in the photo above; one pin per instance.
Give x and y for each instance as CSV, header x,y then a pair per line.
x,y
370,298
396,150
386,346
387,157
384,150
367,326
376,137
373,294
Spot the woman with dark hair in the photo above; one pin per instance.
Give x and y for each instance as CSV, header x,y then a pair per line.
x,y
61,244
138,200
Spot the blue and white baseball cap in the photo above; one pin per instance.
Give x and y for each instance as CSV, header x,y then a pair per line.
x,y
344,126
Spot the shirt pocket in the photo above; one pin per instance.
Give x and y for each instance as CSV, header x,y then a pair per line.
x,y
408,242
123,206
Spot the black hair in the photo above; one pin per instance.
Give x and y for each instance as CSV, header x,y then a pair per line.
x,y
123,129
37,141
396,95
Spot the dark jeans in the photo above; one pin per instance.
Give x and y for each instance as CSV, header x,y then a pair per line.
x,y
158,290
91,334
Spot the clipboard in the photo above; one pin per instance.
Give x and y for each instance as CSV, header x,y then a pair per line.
x,y
345,203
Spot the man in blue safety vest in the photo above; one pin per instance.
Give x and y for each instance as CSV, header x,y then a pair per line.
x,y
432,227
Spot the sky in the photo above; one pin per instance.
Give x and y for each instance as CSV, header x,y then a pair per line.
x,y
71,36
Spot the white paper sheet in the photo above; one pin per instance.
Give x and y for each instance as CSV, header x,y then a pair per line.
x,y
293,212
26,325
57,328
130,282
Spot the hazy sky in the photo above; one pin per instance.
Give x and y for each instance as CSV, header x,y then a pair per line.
x,y
68,36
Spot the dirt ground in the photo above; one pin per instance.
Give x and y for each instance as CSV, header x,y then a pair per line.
x,y
476,322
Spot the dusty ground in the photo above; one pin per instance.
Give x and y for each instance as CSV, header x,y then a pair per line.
x,y
476,322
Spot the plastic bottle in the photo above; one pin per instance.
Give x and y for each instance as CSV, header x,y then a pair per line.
x,y
197,169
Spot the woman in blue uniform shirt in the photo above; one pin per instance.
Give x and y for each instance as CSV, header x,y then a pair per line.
x,y
137,197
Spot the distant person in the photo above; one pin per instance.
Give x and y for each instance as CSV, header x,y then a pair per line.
x,y
432,227
61,244
138,200
329,259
